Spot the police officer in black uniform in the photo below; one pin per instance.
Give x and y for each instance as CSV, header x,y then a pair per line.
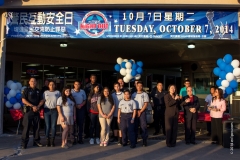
x,y
33,100
157,95
87,89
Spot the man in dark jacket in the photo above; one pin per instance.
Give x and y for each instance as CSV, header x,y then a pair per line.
x,y
191,106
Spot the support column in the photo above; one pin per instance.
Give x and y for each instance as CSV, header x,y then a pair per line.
x,y
2,65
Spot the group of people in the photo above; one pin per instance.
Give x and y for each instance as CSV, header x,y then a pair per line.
x,y
96,110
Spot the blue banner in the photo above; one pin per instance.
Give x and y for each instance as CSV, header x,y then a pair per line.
x,y
124,24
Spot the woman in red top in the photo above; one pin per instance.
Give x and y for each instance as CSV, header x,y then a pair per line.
x,y
93,109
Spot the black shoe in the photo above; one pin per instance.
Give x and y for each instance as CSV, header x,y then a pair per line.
x,y
187,143
125,144
80,142
48,143
168,145
144,143
37,143
156,133
115,139
194,143
132,146
52,142
173,145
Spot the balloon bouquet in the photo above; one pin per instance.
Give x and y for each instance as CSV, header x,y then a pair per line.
x,y
129,69
228,70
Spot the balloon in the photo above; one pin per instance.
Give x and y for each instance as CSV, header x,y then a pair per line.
x,y
128,65
125,79
236,72
223,88
227,58
18,91
134,73
235,63
19,96
134,66
140,63
19,85
125,60
17,106
119,60
235,89
23,88
228,68
6,90
233,84
228,90
128,71
133,61
13,100
229,77
117,67
218,82
123,72
222,66
12,93
123,64
5,99
9,96
222,74
129,76
225,83
225,95
138,76
216,71
219,61
130,61
139,70
8,104
9,83
14,86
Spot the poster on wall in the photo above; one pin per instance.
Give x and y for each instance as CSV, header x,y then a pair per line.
x,y
124,24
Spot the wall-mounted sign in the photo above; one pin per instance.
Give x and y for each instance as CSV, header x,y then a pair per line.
x,y
31,71
124,24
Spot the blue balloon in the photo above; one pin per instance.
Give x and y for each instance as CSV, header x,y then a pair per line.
x,y
130,61
228,68
134,73
13,100
233,84
216,71
218,82
235,89
140,63
229,90
5,100
225,95
227,58
6,90
222,66
123,64
134,67
219,61
19,100
222,75
139,70
117,67
18,96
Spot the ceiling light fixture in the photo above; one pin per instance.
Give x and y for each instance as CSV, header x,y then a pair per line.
x,y
191,45
63,44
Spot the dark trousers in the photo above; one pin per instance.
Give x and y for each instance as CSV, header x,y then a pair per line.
x,y
159,120
209,127
190,128
87,122
142,121
171,126
30,119
217,130
80,115
95,126
50,117
127,128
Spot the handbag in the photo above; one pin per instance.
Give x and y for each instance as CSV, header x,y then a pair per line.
x,y
41,113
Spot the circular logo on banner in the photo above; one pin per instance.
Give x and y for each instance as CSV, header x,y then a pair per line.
x,y
94,24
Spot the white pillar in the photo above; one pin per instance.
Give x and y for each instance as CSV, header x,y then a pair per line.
x,y
2,64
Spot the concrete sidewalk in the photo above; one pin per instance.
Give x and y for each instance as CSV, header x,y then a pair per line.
x,y
156,149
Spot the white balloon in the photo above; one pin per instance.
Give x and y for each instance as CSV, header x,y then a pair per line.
x,y
119,60
125,79
123,71
128,71
129,76
133,60
19,85
125,60
223,88
18,91
138,76
230,77
225,83
236,72
128,65
17,106
9,96
12,93
14,86
23,88
235,63
9,83
8,104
